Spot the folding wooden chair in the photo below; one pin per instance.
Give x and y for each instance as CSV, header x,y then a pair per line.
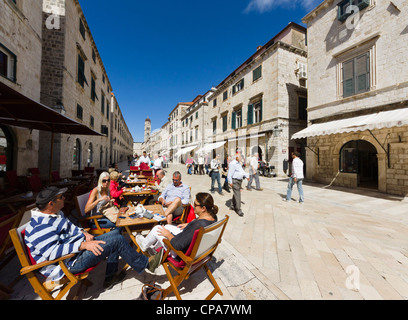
x,y
31,269
205,242
35,183
55,176
35,171
84,219
89,171
14,184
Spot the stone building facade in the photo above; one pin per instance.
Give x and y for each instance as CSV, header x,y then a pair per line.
x,y
263,102
20,70
357,100
47,53
74,75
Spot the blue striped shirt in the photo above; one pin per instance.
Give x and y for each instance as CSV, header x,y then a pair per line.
x,y
51,236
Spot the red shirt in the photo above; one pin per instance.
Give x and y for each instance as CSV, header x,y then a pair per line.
x,y
114,192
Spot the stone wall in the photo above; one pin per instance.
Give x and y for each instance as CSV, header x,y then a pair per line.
x,y
393,180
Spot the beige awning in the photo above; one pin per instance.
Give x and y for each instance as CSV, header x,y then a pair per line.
x,y
211,146
185,150
379,120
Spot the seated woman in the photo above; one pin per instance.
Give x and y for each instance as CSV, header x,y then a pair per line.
x,y
115,190
100,196
181,236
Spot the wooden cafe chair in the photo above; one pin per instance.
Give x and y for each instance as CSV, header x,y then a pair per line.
x,y
203,245
35,183
30,269
84,219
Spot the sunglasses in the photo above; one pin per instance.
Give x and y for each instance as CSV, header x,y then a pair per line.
x,y
105,180
196,205
59,197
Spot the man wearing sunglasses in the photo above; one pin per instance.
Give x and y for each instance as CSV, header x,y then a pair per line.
x,y
175,197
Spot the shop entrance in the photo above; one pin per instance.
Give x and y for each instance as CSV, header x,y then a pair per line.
x,y
360,156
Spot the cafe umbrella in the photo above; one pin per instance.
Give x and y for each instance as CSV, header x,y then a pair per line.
x,y
21,111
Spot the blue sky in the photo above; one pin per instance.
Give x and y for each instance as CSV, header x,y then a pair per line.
x,y
159,53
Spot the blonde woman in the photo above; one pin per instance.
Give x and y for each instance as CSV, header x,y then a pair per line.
x,y
100,195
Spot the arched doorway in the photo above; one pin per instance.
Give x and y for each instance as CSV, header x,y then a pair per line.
x,y
360,157
6,149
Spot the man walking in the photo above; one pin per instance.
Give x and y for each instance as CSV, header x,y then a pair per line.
x,y
296,177
235,176
253,173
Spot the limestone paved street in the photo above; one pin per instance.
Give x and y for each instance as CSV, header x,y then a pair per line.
x,y
339,244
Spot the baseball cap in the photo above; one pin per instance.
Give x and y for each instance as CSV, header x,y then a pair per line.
x,y
48,194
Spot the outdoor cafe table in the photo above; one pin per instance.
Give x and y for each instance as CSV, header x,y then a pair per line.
x,y
139,196
136,182
139,224
18,200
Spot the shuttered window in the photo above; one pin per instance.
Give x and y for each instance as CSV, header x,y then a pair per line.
x,y
81,71
233,120
356,75
257,73
250,117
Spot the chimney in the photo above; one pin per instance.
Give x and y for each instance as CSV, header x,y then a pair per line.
x,y
258,47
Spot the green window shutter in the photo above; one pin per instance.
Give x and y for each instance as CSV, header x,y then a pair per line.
x,y
81,67
250,114
363,73
234,120
257,73
348,78
260,111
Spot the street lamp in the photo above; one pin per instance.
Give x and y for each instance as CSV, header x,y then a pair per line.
x,y
276,131
59,107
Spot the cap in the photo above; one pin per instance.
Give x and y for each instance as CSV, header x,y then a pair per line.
x,y
48,194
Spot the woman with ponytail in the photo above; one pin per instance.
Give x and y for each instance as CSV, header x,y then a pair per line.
x,y
181,236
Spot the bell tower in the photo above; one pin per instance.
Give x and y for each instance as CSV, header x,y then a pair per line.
x,y
147,130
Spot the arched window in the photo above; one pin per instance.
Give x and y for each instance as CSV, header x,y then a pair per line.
x,y
76,160
90,153
101,156
358,155
349,157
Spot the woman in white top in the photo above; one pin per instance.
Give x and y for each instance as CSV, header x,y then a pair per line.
x,y
100,196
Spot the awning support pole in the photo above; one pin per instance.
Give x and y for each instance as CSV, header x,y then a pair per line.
x,y
387,151
316,153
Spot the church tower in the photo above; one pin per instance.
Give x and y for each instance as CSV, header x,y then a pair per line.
x,y
147,130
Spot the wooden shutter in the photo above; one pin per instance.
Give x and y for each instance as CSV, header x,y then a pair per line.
x,y
250,117
234,120
362,73
260,110
348,78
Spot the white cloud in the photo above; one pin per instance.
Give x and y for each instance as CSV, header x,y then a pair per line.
x,y
268,5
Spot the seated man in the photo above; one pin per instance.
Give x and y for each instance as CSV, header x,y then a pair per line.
x,y
175,197
164,182
49,235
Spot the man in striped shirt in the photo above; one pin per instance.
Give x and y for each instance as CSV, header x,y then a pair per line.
x,y
49,235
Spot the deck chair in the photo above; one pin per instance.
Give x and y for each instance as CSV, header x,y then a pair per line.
x,y
55,176
34,171
13,180
205,242
187,216
31,269
147,173
84,219
89,170
35,183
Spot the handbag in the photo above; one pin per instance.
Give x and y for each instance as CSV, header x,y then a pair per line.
x,y
210,173
148,290
110,211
